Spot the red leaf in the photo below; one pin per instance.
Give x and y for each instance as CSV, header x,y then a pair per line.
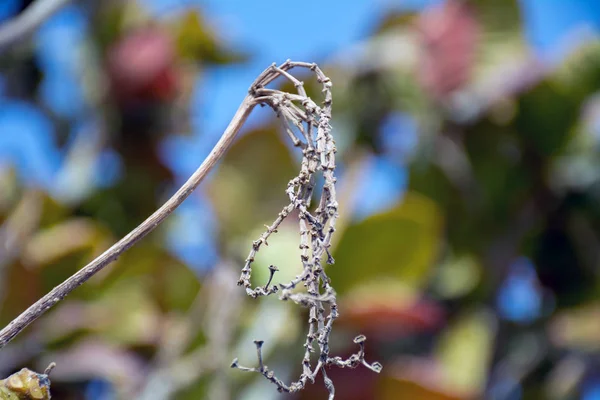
x,y
381,315
142,66
449,34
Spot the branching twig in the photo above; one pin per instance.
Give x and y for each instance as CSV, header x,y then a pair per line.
x,y
25,24
315,231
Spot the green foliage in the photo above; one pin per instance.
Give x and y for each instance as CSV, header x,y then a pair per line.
x,y
251,180
402,244
194,41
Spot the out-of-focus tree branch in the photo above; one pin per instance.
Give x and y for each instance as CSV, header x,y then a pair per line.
x,y
25,23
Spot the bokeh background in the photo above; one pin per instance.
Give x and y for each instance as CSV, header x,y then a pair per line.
x,y
468,248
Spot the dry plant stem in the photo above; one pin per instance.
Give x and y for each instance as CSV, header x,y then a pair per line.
x,y
28,21
110,255
315,231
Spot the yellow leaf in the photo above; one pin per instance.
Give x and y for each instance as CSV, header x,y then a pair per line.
x,y
195,41
26,385
465,351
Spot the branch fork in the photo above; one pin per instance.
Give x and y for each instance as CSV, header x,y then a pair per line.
x,y
308,127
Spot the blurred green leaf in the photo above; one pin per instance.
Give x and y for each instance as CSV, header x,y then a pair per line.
x,y
457,276
109,23
401,244
394,21
124,314
71,236
502,42
195,41
465,351
282,251
546,115
129,314
198,390
9,189
20,289
172,285
249,187
580,72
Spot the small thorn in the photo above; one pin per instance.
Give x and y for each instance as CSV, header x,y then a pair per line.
x,y
360,339
376,367
49,368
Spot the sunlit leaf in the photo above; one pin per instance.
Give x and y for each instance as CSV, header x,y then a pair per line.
x,y
580,72
124,314
400,244
457,276
393,21
195,41
58,241
282,251
9,186
198,390
171,284
465,351
502,39
110,23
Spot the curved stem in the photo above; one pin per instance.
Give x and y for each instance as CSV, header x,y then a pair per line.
x,y
110,255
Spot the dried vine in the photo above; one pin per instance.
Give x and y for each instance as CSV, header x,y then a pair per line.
x,y
300,115
308,126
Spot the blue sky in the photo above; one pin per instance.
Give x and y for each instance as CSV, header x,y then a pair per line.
x,y
551,26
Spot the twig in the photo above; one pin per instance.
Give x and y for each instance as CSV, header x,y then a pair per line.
x,y
110,255
25,24
315,231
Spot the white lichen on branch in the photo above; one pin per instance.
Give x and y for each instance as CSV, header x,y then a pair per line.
x,y
308,126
